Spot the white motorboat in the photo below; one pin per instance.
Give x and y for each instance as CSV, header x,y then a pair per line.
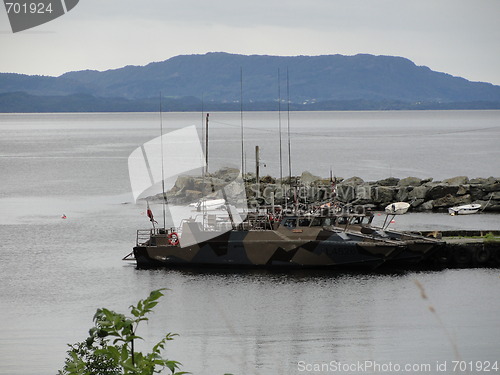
x,y
465,209
208,204
398,208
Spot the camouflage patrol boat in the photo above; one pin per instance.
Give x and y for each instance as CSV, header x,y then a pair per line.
x,y
416,246
260,242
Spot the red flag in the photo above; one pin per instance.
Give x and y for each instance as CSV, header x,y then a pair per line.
x,y
150,215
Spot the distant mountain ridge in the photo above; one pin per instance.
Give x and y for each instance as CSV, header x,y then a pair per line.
x,y
315,82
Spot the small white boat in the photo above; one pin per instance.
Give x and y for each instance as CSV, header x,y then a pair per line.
x,y
398,208
208,204
466,209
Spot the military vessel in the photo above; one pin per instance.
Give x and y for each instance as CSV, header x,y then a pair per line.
x,y
260,239
293,241
416,246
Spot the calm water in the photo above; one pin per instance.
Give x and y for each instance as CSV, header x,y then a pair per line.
x,y
54,273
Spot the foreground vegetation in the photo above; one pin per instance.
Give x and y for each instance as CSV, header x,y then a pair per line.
x,y
110,347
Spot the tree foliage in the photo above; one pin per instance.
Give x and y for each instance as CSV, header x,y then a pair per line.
x,y
110,347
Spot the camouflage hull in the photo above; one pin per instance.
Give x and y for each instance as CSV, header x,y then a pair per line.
x,y
416,247
414,253
269,249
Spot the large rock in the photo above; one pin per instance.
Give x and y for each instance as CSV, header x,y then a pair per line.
x,y
416,202
418,192
459,180
226,174
383,194
426,180
267,180
391,181
410,181
363,194
491,187
494,196
402,194
347,190
427,206
482,192
353,181
441,190
483,181
492,206
477,192
207,185
450,201
346,193
184,182
478,181
307,178
463,189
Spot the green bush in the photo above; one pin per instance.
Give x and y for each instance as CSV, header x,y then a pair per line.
x,y
98,355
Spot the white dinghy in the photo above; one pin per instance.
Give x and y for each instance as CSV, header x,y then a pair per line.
x,y
393,209
465,209
398,208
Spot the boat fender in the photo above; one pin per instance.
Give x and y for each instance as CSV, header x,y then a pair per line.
x,y
482,255
173,239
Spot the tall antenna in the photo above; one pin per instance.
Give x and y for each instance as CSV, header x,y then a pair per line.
x,y
202,117
279,122
162,169
289,143
206,144
288,124
241,122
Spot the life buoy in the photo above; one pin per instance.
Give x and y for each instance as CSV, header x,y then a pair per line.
x,y
173,239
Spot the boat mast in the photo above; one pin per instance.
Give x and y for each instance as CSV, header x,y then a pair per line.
x,y
162,170
241,123
279,125
257,168
295,204
206,143
202,118
288,125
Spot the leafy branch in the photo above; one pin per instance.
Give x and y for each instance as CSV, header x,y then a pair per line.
x,y
97,355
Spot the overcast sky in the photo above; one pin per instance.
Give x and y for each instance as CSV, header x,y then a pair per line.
x,y
459,37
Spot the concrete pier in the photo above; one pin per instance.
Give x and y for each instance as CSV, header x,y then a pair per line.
x,y
465,249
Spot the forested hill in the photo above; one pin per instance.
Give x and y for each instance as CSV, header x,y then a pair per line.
x,y
315,82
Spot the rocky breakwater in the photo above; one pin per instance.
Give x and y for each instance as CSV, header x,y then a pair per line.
x,y
422,194
189,189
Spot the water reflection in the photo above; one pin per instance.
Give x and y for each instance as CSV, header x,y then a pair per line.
x,y
268,321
